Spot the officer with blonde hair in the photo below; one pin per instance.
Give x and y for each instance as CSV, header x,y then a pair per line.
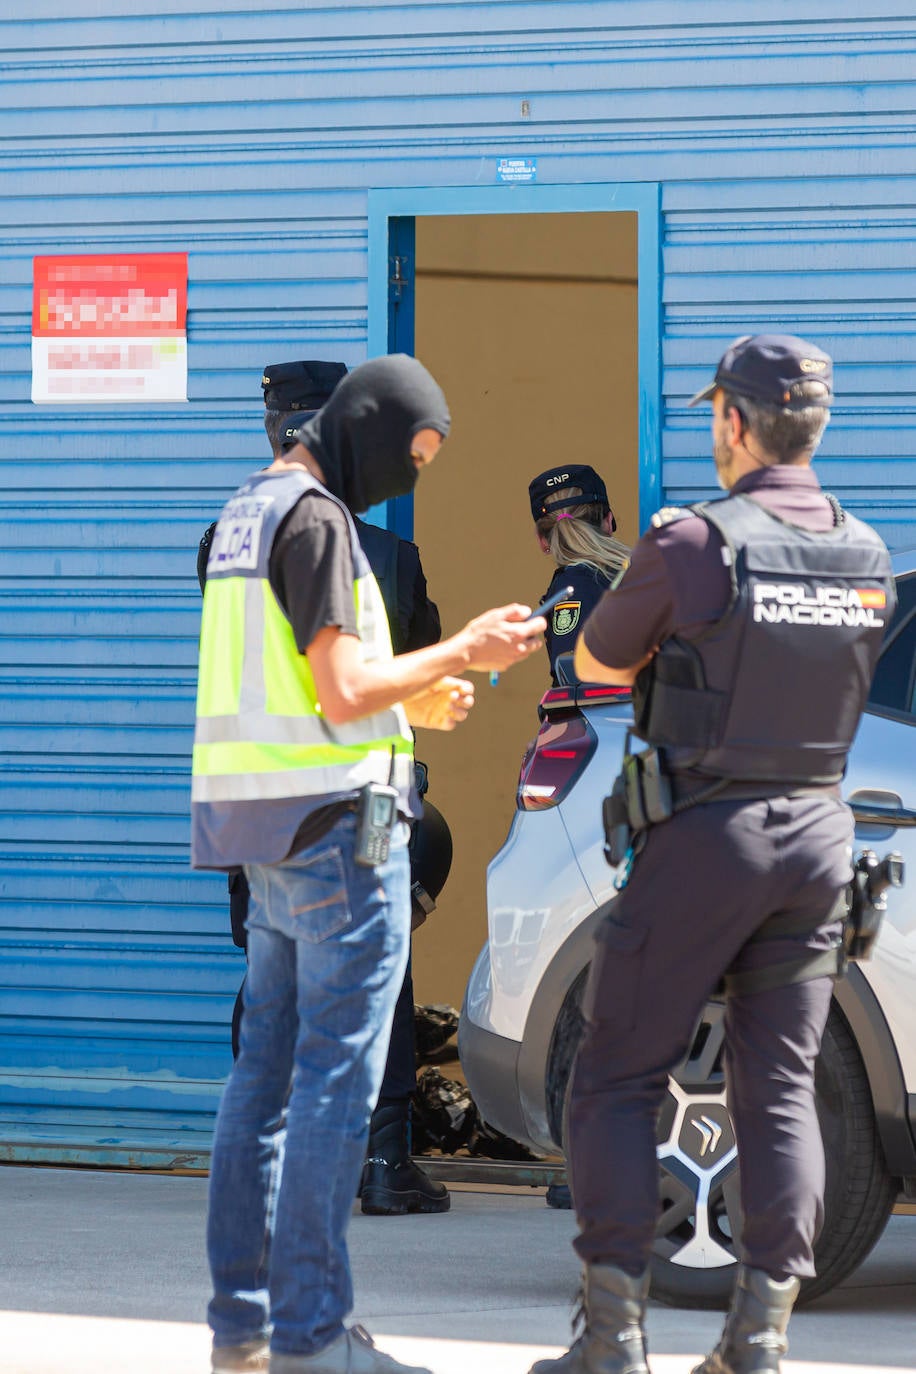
x,y
575,525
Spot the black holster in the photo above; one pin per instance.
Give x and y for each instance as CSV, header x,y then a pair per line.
x,y
641,796
618,835
866,902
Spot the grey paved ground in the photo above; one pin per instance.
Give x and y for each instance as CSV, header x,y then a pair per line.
x,y
105,1271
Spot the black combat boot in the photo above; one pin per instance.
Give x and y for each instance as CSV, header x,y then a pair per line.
x,y
392,1184
613,1341
754,1337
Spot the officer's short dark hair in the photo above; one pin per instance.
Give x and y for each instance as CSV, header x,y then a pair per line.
x,y
789,435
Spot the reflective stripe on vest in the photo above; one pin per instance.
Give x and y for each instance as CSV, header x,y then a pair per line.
x,y
261,742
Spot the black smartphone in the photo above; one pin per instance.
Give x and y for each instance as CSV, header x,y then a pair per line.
x,y
547,606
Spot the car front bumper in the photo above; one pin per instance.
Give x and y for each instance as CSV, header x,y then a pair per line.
x,y
490,1065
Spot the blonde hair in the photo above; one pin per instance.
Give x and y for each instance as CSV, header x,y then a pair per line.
x,y
575,535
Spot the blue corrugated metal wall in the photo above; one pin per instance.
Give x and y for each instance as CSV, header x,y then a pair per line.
x,y
782,137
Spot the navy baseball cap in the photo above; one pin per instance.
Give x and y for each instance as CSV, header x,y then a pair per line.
x,y
568,475
300,386
290,426
767,368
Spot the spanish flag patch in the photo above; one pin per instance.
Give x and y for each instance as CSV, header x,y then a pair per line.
x,y
871,597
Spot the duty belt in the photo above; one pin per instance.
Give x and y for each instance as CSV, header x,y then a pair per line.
x,y
693,789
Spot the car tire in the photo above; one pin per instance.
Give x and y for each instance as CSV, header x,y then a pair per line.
x,y
860,1193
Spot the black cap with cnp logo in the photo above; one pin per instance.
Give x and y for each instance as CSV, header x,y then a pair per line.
x,y
300,386
769,369
290,426
580,475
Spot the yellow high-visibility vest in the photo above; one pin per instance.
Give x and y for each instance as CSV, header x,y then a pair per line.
x,y
265,757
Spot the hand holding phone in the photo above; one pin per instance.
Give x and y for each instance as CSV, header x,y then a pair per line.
x,y
544,609
547,606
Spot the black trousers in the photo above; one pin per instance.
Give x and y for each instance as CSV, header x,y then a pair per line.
x,y
400,1078
702,887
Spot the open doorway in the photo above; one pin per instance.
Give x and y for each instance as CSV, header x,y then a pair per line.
x,y
530,323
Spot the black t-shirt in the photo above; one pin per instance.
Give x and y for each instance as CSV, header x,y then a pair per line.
x,y
311,569
311,575
566,619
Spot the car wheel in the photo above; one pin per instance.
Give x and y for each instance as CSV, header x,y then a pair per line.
x,y
695,1254
860,1193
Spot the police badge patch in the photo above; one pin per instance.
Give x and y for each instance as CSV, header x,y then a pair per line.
x,y
667,515
566,617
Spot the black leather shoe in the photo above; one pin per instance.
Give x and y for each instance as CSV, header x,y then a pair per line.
x,y
559,1196
392,1184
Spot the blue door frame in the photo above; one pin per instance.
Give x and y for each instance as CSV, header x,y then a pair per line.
x,y
392,215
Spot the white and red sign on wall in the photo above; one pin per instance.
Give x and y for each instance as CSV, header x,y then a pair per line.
x,y
110,328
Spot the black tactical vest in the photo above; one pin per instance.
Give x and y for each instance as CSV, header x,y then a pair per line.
x,y
773,691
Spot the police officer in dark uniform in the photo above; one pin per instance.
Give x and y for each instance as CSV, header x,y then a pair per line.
x,y
392,1183
749,627
574,525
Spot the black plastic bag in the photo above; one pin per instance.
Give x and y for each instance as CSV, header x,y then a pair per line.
x,y
434,1026
445,1118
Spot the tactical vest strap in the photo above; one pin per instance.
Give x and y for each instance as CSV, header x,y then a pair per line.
x,y
673,703
812,963
827,963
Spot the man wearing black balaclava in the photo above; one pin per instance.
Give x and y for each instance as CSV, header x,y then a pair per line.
x,y
303,774
362,436
392,1183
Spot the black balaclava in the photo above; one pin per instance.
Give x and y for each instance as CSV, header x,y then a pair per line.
x,y
362,436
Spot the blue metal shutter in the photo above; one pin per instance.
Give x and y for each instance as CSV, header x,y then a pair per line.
x,y
783,145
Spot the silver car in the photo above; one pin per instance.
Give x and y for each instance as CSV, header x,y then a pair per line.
x,y
549,886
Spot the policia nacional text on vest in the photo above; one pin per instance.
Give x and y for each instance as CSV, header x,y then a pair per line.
x,y
773,691
766,700
264,755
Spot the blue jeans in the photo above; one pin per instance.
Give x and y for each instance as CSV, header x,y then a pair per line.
x,y
327,950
